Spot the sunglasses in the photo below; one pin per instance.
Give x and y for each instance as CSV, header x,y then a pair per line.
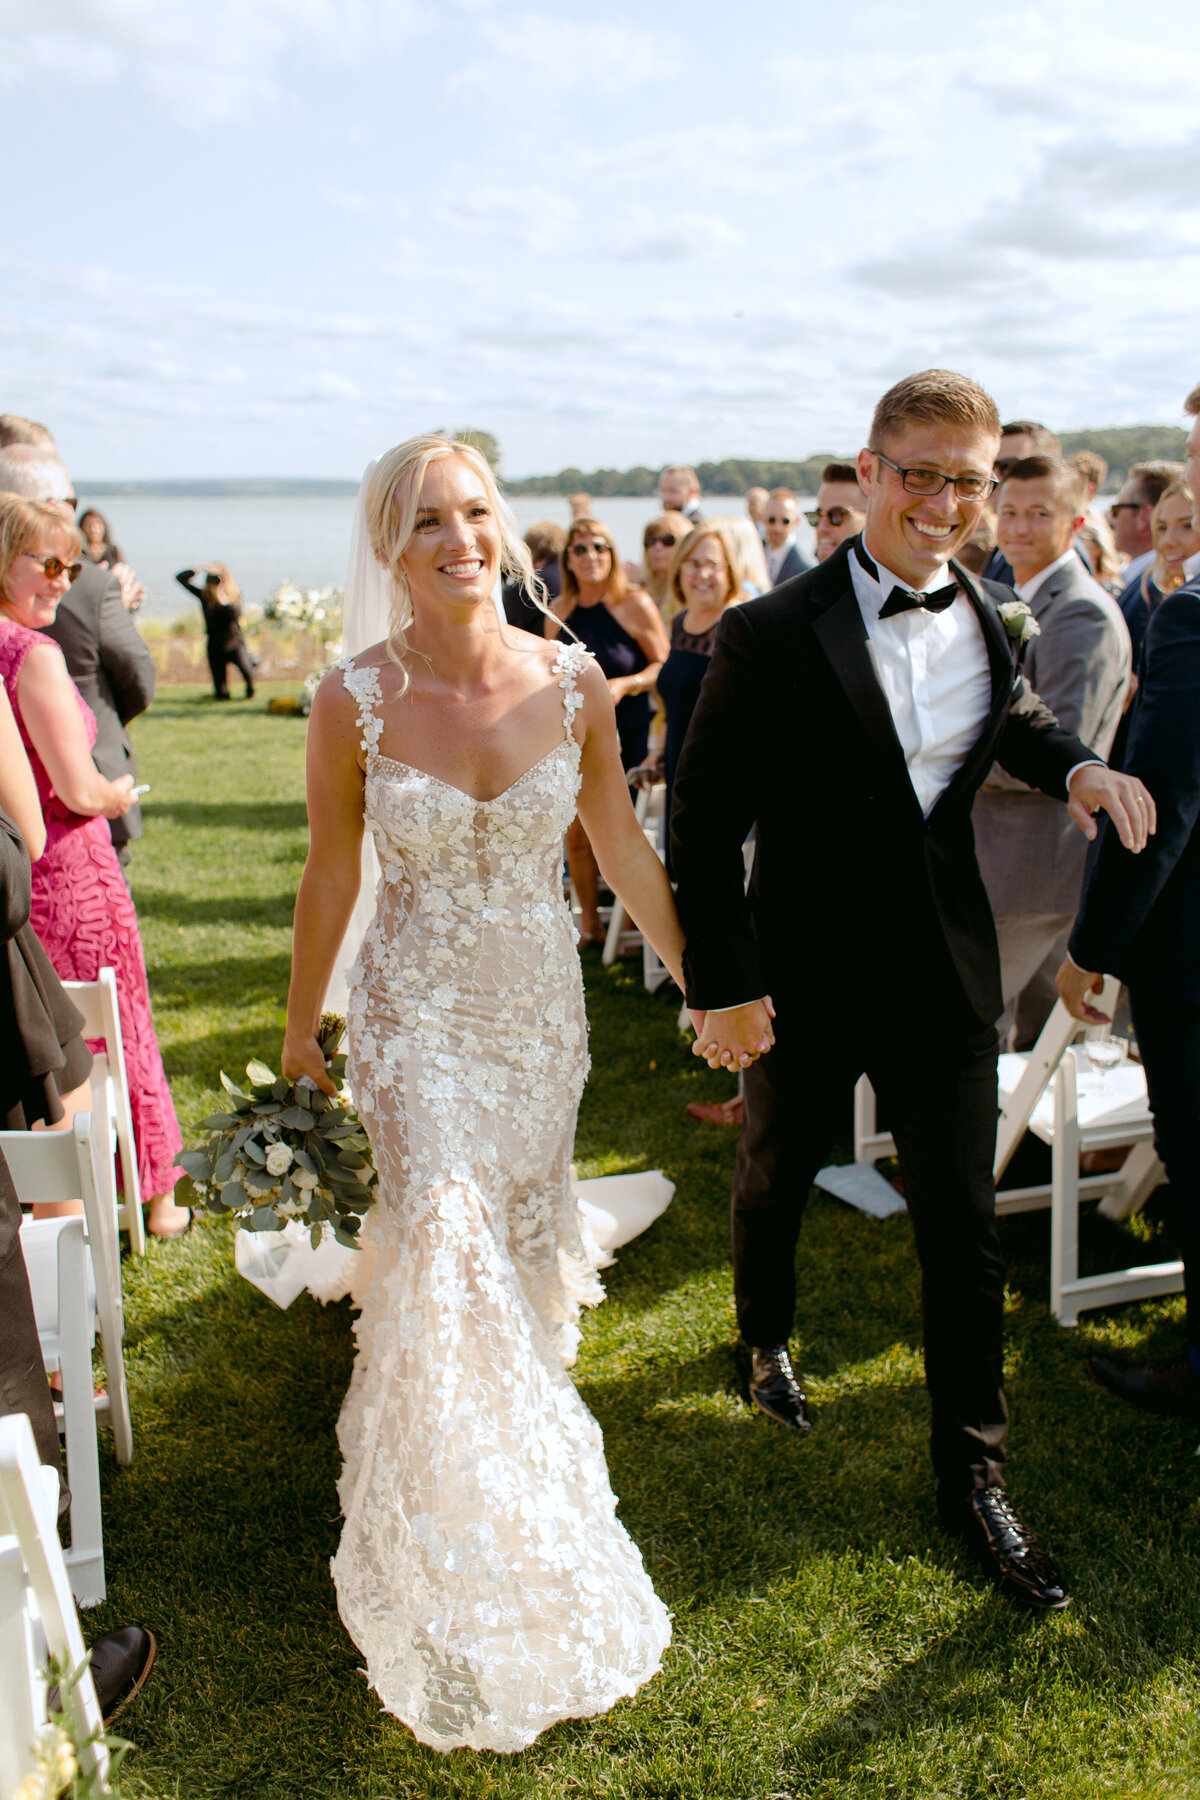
x,y
779,519
54,566
664,538
1125,506
837,516
591,547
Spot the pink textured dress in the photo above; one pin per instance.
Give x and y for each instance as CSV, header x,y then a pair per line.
x,y
84,915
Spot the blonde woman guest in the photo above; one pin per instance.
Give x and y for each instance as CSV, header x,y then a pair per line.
x,y
621,627
745,547
82,910
482,1571
660,539
1175,541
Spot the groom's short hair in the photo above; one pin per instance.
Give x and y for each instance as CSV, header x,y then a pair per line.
x,y
934,397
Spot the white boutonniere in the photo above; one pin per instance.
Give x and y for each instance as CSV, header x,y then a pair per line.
x,y
1019,622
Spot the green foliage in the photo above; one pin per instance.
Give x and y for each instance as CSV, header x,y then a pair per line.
x,y
1120,445
830,1642
483,441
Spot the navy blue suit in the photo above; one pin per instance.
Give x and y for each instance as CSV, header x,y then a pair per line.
x,y
1140,915
794,563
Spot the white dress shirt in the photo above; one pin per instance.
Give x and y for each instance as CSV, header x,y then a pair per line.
x,y
934,672
1026,590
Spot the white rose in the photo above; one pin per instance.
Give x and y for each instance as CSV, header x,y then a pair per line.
x,y
279,1159
304,1178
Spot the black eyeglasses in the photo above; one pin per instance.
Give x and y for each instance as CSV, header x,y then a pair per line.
x,y
664,538
837,516
592,546
54,566
929,482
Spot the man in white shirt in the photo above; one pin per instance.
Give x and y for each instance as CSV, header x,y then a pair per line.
x,y
1079,662
849,717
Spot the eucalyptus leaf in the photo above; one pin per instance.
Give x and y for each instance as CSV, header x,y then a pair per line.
x,y
264,1218
215,1204
224,1166
265,1108
304,1161
231,1087
282,1089
218,1121
315,1236
287,1188
235,1196
259,1073
257,1181
338,1134
254,1150
345,1238
196,1164
350,1159
295,1118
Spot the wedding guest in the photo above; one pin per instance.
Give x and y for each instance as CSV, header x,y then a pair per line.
x,y
621,626
749,558
679,491
660,539
221,603
82,911
704,579
1094,470
580,505
544,540
840,508
861,705
1097,546
106,656
757,500
1174,542
1140,920
1030,854
785,558
97,545
1018,439
1130,515
14,429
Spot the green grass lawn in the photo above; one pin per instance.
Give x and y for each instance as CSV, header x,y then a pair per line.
x,y
830,1642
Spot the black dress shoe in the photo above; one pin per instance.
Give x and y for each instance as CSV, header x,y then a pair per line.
x,y
1167,1388
1010,1553
120,1665
772,1387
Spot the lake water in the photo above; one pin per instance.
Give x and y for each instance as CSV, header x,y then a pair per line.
x,y
267,540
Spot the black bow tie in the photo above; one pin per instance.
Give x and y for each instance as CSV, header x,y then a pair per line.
x,y
902,599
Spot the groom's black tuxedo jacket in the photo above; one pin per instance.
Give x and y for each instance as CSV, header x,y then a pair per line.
x,y
856,899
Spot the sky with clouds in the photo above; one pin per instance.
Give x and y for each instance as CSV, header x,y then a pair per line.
x,y
271,237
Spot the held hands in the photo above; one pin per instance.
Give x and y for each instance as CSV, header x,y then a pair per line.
x,y
1128,804
734,1038
1074,985
302,1056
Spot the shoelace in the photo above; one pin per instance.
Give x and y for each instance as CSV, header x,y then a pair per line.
x,y
1002,1514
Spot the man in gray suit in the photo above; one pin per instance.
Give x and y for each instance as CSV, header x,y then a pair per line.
x,y
105,653
1079,663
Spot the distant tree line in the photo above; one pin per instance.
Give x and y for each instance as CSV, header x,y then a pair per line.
x,y
1119,445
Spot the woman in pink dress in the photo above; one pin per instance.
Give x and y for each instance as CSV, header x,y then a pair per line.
x,y
82,910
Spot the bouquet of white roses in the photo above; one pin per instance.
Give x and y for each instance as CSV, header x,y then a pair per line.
x,y
285,1151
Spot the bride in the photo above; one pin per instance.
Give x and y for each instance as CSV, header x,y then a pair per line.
x,y
482,1570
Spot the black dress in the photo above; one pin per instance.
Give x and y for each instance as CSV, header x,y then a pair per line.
x,y
617,654
678,684
222,625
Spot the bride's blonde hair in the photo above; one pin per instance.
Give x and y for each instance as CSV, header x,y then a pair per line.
x,y
393,503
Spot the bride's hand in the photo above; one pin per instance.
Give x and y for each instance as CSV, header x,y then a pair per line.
x,y
302,1056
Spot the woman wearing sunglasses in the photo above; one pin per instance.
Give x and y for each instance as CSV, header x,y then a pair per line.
x,y
82,910
658,547
621,626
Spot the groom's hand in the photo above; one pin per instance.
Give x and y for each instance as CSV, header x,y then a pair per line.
x,y
1128,804
737,1036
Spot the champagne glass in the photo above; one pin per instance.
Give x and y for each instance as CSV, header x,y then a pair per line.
x,y
1103,1051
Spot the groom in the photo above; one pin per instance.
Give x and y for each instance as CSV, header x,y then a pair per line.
x,y
849,717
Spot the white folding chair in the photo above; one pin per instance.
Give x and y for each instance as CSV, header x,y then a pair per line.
x,y
75,1165
650,807
97,1001
64,1304
37,1618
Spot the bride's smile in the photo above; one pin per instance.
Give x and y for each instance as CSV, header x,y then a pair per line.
x,y
455,547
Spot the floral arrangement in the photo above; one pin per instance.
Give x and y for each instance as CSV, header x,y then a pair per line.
x,y
57,1768
317,610
286,1151
1019,622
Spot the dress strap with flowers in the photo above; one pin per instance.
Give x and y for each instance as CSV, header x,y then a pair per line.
x,y
482,1570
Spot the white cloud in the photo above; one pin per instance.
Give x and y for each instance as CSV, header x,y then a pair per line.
x,y
542,58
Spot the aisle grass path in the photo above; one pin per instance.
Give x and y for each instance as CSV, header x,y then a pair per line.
x,y
830,1643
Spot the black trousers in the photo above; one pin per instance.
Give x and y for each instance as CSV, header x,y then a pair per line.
x,y
220,655
1168,1035
941,1101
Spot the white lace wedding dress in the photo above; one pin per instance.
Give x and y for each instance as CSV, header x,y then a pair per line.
x,y
482,1570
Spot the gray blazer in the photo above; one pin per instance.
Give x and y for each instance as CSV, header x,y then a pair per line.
x,y
110,665
1031,853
